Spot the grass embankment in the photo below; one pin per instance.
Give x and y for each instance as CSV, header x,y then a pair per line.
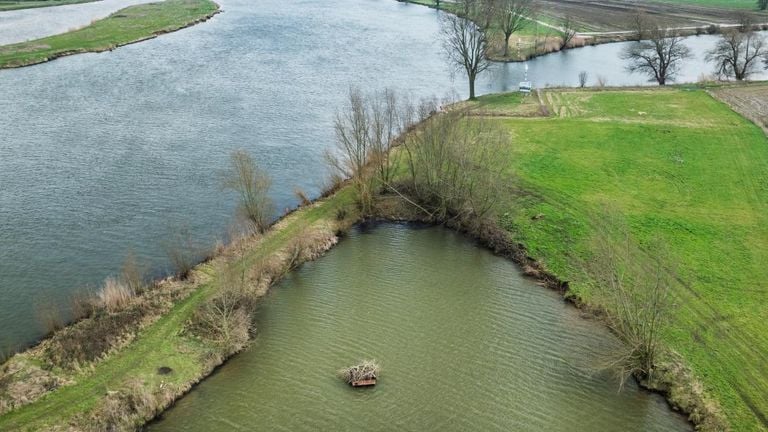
x,y
31,4
128,383
676,164
126,26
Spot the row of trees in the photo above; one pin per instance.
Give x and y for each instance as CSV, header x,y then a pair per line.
x,y
659,52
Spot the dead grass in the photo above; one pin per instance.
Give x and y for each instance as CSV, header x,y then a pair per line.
x,y
115,295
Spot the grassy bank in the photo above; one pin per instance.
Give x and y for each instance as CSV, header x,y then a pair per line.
x,y
129,25
130,385
676,164
31,4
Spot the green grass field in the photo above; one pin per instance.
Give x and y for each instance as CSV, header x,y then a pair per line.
x,y
125,26
164,343
676,164
6,5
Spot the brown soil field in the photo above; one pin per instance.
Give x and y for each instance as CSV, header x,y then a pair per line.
x,y
750,101
615,15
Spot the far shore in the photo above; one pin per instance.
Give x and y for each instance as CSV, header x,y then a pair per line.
x,y
127,26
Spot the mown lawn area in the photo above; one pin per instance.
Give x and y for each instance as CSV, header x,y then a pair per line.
x,y
127,25
675,164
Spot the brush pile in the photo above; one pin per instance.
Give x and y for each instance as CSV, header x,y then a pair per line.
x,y
367,371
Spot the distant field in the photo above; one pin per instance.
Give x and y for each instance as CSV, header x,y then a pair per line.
x,y
676,164
727,4
125,26
13,5
751,101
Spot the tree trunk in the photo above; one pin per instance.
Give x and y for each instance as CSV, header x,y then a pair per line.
x,y
506,44
471,88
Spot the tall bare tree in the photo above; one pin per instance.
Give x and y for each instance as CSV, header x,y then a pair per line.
x,y
353,142
512,16
252,184
639,22
567,31
385,128
454,165
736,53
465,45
659,56
634,290
366,130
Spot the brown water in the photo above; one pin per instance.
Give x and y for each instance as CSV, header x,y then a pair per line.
x,y
465,342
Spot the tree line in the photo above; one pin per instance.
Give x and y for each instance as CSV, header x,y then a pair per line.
x,y
657,52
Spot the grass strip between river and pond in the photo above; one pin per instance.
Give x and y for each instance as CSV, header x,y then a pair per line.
x,y
126,26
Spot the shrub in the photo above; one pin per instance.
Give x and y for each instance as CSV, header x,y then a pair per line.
x,y
82,304
252,184
50,317
303,199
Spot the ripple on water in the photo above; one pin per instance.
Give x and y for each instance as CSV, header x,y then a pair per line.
x,y
466,343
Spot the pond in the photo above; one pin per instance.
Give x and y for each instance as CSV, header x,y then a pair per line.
x,y
111,153
465,342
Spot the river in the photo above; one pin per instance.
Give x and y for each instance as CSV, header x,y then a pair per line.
x,y
103,154
464,341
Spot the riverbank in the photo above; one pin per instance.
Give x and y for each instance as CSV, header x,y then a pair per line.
x,y
676,164
140,374
126,26
673,162
6,5
602,23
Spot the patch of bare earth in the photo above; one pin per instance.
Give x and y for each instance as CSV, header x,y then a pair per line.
x,y
751,101
615,15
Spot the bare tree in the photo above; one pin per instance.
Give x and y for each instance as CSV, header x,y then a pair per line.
x,y
466,46
454,165
353,144
633,289
225,318
182,250
385,128
484,13
252,184
583,75
658,57
567,31
736,53
512,17
640,23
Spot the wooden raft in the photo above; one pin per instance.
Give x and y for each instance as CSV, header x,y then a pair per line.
x,y
364,382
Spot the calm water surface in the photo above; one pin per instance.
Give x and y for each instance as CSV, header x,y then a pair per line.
x,y
101,154
465,343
